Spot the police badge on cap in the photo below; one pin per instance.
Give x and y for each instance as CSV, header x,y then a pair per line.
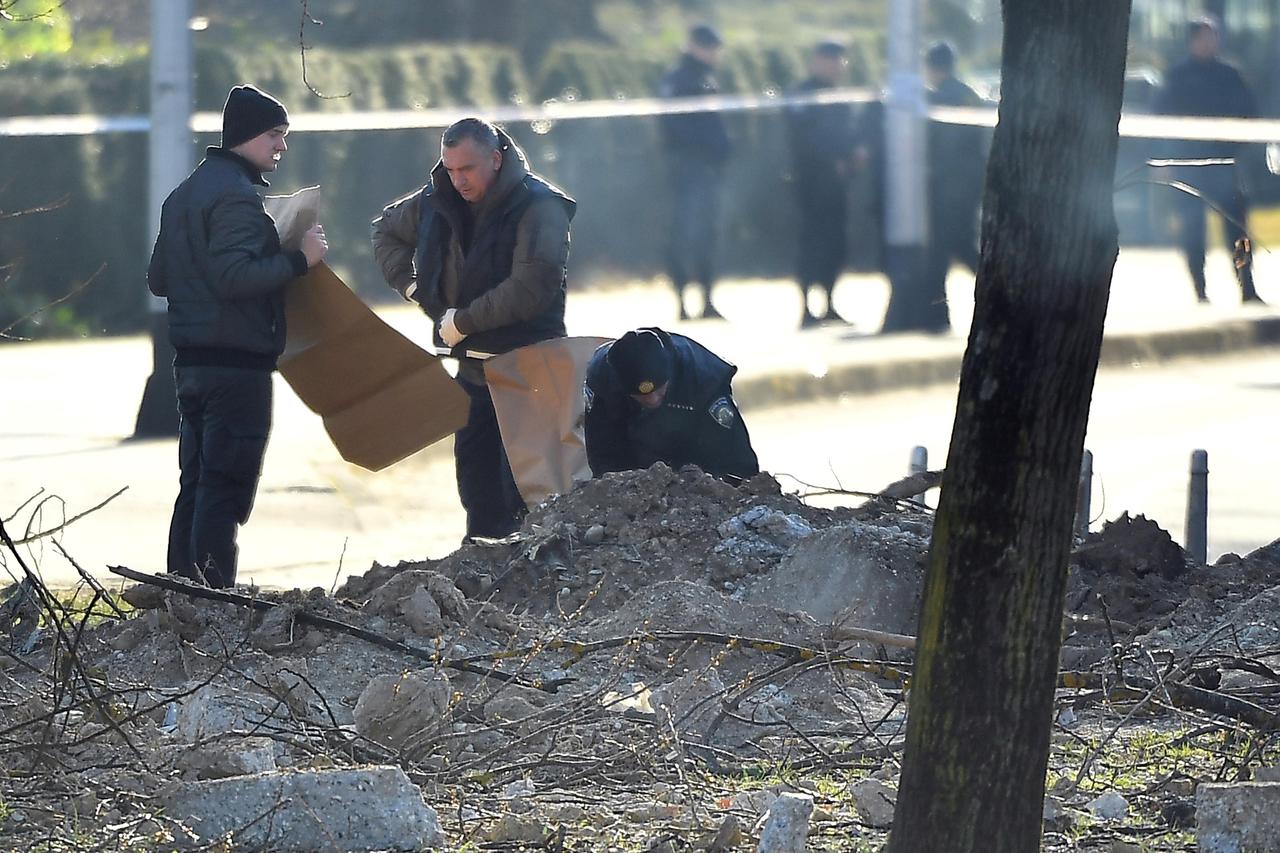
x,y
640,361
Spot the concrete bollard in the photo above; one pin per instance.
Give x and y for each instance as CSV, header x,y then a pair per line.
x,y
919,464
1197,535
1084,497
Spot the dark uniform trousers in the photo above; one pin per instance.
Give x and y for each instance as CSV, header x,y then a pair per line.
x,y
1220,186
691,250
225,419
485,483
824,216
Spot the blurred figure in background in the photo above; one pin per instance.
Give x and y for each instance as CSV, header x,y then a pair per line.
x,y
822,143
956,168
1203,85
697,146
957,163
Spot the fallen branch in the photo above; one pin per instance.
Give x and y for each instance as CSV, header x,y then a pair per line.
x,y
1182,695
173,584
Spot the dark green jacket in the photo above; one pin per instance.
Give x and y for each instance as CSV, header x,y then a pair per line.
x,y
218,261
502,266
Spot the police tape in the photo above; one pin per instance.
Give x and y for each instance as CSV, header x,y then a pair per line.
x,y
542,117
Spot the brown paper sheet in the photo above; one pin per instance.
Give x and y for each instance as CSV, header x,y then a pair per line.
x,y
382,397
537,393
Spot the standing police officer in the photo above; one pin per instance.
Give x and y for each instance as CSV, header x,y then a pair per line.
x,y
822,143
653,397
1204,85
697,146
218,261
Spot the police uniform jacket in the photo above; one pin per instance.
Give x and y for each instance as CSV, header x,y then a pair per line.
x,y
698,422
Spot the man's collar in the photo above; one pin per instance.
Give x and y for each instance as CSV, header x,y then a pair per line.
x,y
255,175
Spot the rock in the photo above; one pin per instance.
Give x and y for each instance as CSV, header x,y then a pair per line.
x,y
727,837
874,802
1239,818
761,533
1109,806
213,711
423,614
420,598
144,596
517,829
757,802
397,710
518,789
278,630
594,535
220,759
881,571
1119,846
133,632
1057,816
1266,774
786,826
309,811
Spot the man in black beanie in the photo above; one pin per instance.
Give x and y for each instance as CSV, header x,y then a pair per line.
x,y
652,396
219,263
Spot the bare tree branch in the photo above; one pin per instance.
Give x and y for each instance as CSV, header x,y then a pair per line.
x,y
302,48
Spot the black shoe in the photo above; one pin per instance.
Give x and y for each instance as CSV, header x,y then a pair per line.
x,y
809,321
1253,299
709,312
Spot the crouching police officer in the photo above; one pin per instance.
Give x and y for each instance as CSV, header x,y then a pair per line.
x,y
653,397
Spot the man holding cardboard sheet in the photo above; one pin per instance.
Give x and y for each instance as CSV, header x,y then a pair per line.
x,y
218,261
483,248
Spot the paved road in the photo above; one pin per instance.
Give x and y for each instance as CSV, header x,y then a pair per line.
x,y
67,408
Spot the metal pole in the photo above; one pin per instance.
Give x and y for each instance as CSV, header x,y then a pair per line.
x,y
906,221
169,154
1084,500
918,465
1197,534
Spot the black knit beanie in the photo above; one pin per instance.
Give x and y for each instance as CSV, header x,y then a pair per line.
x,y
248,112
641,361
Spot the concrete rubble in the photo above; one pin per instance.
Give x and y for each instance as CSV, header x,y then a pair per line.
x,y
1238,818
365,809
658,658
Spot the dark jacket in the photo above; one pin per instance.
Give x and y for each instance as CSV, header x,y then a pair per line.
x,y
503,265
699,135
217,259
697,424
821,136
1205,88
957,155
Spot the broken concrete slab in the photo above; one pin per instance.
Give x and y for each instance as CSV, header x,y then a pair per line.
x,y
220,759
212,711
874,802
786,826
1239,818
359,809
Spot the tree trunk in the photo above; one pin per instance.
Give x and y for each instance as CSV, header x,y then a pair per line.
x,y
982,697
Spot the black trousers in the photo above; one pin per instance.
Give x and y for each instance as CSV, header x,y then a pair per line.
x,y
695,219
1220,186
225,418
485,483
824,218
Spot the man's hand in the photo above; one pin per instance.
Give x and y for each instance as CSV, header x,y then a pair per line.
x,y
314,245
449,330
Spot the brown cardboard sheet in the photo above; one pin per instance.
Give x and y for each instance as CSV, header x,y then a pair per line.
x,y
537,393
381,396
